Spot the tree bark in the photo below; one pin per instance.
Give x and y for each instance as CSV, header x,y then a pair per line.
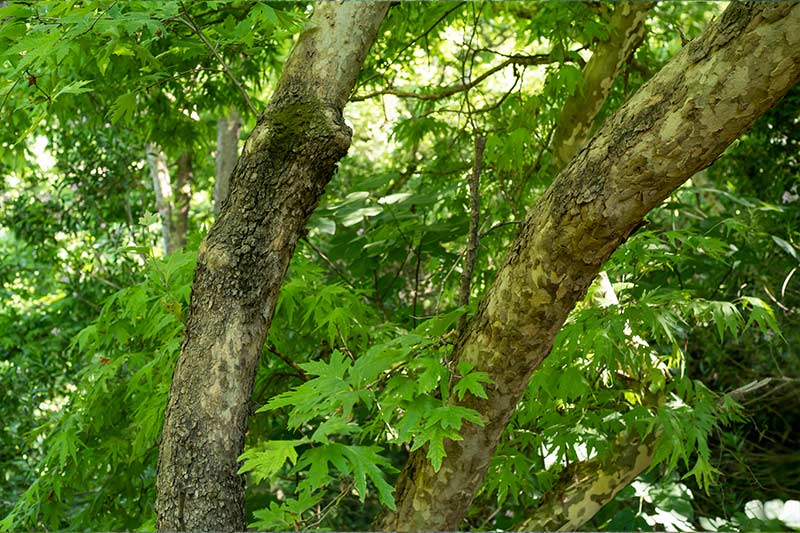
x,y
227,153
288,159
677,124
626,32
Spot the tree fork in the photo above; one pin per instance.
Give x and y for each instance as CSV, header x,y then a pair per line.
x,y
286,163
675,125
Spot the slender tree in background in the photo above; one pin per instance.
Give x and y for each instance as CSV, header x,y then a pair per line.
x,y
226,155
287,160
172,199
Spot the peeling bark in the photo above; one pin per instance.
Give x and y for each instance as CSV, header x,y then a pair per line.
x,y
626,32
677,124
288,159
227,153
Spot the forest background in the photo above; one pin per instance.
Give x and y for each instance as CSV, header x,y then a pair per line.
x,y
669,398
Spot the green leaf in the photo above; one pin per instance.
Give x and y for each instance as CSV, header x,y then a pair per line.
x,y
76,87
267,461
123,109
471,382
786,246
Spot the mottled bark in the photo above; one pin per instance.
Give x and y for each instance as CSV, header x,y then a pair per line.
x,y
227,153
626,32
288,159
584,488
677,124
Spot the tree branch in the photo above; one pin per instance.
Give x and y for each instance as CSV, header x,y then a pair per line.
x,y
474,221
538,59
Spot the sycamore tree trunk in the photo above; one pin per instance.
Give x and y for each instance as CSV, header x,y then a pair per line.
x,y
583,488
677,124
286,162
227,153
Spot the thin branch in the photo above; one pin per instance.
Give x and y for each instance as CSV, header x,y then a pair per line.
x,y
330,263
538,59
189,23
5,98
474,220
500,225
416,282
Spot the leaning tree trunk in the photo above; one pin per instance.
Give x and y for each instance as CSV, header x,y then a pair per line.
x,y
288,159
583,488
677,124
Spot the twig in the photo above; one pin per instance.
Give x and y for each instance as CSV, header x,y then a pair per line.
x,y
301,373
414,41
3,103
213,49
32,80
416,282
329,263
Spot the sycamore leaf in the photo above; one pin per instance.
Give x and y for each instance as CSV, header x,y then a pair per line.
x,y
123,108
76,87
266,462
471,382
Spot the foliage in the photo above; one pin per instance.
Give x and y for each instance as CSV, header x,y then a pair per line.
x,y
357,370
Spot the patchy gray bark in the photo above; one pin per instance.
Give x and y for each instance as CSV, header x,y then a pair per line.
x,y
626,32
677,124
227,153
288,159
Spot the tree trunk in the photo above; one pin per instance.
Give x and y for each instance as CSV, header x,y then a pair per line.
x,y
227,153
626,32
677,124
288,159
